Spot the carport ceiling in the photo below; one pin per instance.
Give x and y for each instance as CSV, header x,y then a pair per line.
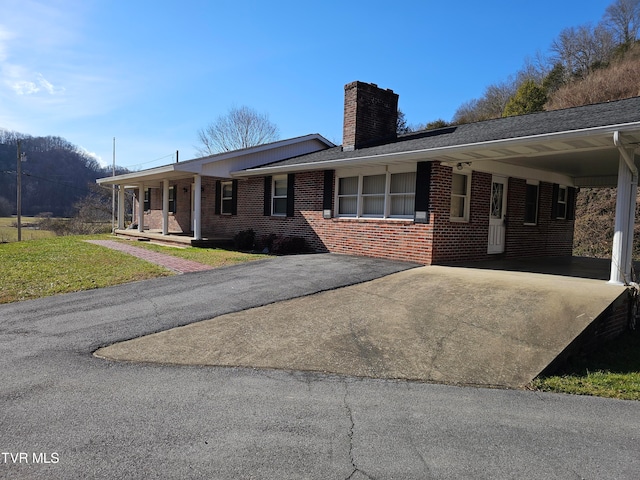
x,y
589,160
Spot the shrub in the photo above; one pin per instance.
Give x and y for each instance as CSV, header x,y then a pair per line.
x,y
73,226
280,245
289,245
244,240
266,242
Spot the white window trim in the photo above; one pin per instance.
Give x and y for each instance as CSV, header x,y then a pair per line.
x,y
359,196
274,196
223,198
564,202
537,184
467,197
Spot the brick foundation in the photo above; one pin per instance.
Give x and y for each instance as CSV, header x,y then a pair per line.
x,y
611,323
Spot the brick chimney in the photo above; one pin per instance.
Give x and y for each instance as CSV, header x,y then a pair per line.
x,y
370,115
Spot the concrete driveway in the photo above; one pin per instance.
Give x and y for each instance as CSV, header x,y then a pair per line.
x,y
443,324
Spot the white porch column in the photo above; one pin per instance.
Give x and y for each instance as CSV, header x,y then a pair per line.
x,y
121,202
165,207
632,221
141,208
623,230
197,208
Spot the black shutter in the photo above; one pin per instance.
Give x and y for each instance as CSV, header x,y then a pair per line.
x,y
423,190
267,196
571,203
175,199
291,178
327,197
218,199
234,197
554,201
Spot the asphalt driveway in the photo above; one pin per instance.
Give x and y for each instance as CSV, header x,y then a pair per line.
x,y
66,414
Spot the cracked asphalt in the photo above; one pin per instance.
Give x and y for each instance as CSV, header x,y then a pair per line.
x,y
76,416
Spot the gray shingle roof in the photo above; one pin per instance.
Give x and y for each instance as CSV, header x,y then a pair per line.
x,y
571,119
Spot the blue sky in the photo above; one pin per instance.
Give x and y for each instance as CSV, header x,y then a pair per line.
x,y
151,73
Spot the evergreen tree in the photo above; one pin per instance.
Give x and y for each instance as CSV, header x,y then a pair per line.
x,y
530,97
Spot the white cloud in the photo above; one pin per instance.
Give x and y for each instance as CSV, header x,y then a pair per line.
x,y
41,84
5,37
93,155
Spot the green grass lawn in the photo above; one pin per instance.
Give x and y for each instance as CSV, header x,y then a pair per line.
x,y
613,372
44,267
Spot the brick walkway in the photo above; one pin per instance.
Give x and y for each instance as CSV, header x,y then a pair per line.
x,y
179,265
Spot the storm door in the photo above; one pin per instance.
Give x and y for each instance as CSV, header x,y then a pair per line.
x,y
497,215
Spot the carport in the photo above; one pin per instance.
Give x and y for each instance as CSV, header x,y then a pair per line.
x,y
592,157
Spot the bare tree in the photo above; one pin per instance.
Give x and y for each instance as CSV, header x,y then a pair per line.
x,y
623,18
490,105
240,128
582,49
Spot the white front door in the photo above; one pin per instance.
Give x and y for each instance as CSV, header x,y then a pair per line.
x,y
497,215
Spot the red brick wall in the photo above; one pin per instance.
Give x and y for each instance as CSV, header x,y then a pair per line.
x,y
549,237
370,114
458,241
181,220
611,323
439,241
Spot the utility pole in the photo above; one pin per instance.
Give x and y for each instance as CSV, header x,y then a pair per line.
x,y
21,158
113,191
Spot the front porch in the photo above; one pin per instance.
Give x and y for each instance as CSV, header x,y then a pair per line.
x,y
174,238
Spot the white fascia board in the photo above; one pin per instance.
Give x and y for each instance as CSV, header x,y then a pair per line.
x,y
197,165
133,176
261,148
434,153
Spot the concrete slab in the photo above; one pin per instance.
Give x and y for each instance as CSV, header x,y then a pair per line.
x,y
442,324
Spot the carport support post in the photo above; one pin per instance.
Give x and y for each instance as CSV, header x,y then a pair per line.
x,y
121,202
141,208
165,207
623,230
197,207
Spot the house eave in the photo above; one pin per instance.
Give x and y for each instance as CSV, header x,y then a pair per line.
x,y
483,151
199,166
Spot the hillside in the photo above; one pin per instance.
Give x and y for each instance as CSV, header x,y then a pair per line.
x,y
619,80
54,177
595,208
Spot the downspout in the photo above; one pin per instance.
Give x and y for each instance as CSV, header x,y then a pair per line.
x,y
617,141
624,258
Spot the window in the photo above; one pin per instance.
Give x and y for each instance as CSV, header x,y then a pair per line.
x,y
147,200
460,185
402,194
561,203
279,196
385,195
348,196
531,203
226,199
172,199
373,193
